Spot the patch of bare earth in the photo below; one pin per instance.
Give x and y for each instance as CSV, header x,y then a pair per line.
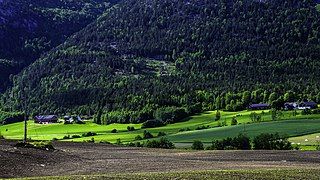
x,y
88,158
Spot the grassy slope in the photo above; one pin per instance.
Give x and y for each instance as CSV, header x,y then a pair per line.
x,y
287,127
217,174
310,139
299,126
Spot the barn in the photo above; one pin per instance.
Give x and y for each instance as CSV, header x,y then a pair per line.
x,y
46,119
308,105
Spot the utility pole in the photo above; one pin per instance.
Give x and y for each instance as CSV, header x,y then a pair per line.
x,y
25,129
24,99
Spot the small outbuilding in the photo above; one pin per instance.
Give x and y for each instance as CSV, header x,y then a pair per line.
x,y
44,119
259,106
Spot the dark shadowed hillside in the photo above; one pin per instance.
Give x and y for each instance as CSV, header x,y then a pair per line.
x,y
191,55
29,28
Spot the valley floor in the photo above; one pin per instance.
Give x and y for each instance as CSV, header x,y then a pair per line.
x,y
101,160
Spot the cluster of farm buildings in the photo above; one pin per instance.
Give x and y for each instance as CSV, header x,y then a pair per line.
x,y
45,119
287,106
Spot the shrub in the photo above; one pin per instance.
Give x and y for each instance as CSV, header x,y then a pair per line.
x,y
271,142
88,134
163,143
306,112
147,135
137,138
184,129
91,140
44,145
234,121
76,136
130,128
197,145
255,117
316,111
152,124
119,142
218,115
161,134
222,123
202,127
114,131
241,142
66,137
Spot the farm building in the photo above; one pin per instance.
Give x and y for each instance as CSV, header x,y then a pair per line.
x,y
308,105
290,105
259,106
46,119
73,119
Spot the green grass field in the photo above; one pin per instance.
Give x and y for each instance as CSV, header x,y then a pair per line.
x,y
286,127
310,139
289,125
217,174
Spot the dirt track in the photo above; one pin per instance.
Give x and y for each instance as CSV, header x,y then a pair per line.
x,y
81,158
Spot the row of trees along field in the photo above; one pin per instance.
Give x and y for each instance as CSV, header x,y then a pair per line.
x,y
184,56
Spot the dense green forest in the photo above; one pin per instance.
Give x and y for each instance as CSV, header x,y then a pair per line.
x,y
152,59
28,28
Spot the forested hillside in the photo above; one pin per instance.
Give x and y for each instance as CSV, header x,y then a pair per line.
x,y
146,59
29,28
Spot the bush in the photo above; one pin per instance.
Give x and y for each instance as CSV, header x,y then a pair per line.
x,y
221,124
316,111
137,138
234,121
197,145
76,136
91,140
88,134
147,135
184,129
119,142
130,128
161,134
218,115
114,131
241,142
152,124
163,143
37,145
271,142
202,127
66,137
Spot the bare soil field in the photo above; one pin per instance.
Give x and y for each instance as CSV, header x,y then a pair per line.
x,y
93,159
